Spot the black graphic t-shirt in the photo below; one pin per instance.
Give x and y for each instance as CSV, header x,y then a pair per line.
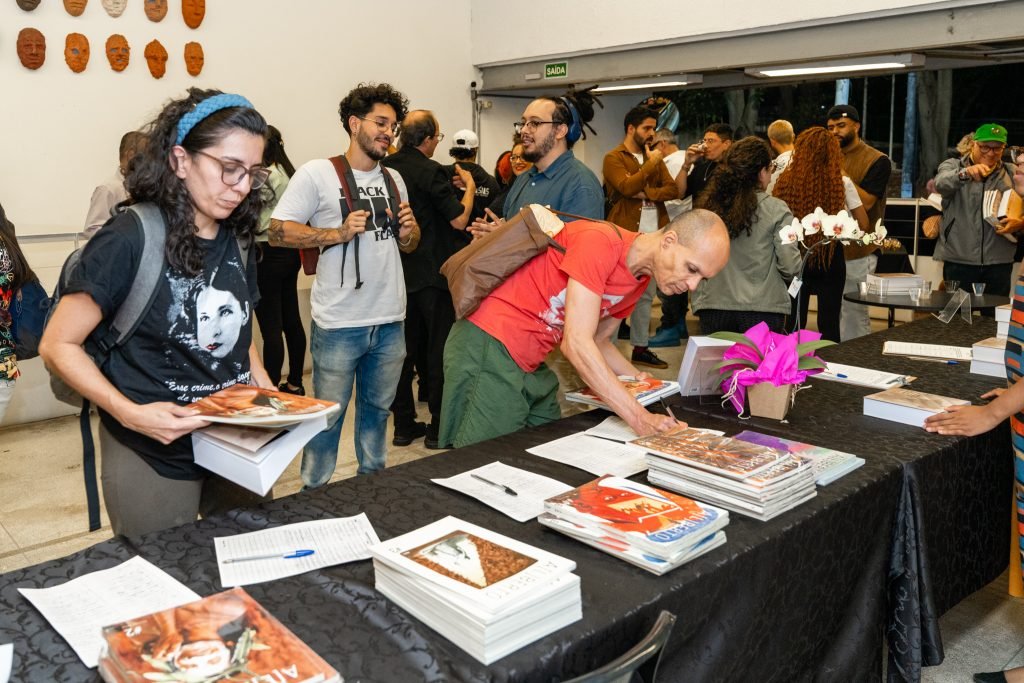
x,y
193,342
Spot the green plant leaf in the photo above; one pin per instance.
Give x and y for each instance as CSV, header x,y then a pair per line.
x,y
736,361
738,338
807,347
810,363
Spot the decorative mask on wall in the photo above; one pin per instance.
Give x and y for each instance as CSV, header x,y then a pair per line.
x,y
76,52
75,7
31,48
28,5
194,58
193,12
118,52
156,10
156,58
114,8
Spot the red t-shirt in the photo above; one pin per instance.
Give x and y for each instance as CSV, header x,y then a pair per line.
x,y
526,313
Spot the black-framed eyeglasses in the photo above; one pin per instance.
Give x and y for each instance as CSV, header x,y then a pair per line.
x,y
530,126
231,173
383,125
515,157
1017,155
990,149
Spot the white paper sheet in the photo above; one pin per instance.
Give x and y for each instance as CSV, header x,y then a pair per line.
x,y
6,659
531,489
927,350
80,608
589,453
862,377
333,541
613,428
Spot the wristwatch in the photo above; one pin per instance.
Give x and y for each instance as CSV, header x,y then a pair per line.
x,y
962,175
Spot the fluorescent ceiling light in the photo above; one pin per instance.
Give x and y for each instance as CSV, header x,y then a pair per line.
x,y
660,83
851,65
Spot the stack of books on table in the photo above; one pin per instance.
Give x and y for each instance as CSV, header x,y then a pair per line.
x,y
645,526
987,357
1003,320
223,637
753,480
645,391
885,284
487,593
907,406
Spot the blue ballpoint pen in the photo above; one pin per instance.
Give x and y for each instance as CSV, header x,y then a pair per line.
x,y
273,556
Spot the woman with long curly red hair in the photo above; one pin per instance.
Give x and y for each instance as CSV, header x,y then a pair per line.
x,y
814,179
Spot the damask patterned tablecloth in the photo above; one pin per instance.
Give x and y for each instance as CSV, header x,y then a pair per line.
x,y
803,597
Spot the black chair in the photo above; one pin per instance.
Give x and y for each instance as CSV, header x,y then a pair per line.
x,y
640,663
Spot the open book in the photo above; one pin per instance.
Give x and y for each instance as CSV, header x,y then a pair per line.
x,y
243,404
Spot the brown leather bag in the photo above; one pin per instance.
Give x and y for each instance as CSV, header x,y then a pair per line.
x,y
476,270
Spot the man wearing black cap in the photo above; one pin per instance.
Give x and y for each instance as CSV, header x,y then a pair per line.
x,y
972,248
869,170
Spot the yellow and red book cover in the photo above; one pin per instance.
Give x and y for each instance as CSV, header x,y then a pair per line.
x,y
642,515
224,637
244,404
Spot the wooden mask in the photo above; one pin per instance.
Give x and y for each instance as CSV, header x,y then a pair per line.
x,y
193,12
75,7
118,52
28,5
194,58
156,58
76,52
31,48
114,8
156,10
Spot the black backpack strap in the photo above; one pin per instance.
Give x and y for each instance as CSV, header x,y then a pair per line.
x,y
348,182
133,309
394,200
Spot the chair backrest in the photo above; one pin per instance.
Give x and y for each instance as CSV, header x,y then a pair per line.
x,y
640,662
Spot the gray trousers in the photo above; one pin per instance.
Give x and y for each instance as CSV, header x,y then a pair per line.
x,y
640,318
853,318
138,500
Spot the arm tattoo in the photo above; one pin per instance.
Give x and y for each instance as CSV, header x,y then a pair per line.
x,y
303,237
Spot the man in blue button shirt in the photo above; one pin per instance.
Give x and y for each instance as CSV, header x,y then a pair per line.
x,y
549,129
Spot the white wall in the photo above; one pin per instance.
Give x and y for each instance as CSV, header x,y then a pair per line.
x,y
293,60
581,26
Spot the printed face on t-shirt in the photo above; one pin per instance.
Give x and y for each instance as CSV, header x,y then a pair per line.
x,y
219,320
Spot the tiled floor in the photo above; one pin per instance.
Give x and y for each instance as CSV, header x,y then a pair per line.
x,y
43,516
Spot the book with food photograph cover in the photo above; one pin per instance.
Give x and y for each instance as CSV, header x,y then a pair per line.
x,y
646,391
728,457
224,637
244,404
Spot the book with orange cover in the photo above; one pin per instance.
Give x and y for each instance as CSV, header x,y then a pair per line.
x,y
244,404
647,518
724,456
646,391
224,637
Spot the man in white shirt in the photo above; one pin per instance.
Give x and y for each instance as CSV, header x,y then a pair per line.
x,y
108,195
780,137
357,329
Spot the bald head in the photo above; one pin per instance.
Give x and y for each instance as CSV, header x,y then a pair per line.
x,y
697,227
693,247
419,127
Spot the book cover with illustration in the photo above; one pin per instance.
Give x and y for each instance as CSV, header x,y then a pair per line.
x,y
917,400
470,559
828,464
646,517
646,391
244,404
728,457
224,637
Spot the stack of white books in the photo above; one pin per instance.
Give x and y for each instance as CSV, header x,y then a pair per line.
x,y
1003,320
642,525
752,480
987,357
907,406
828,464
487,593
893,283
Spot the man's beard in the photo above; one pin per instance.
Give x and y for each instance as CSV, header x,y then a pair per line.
x,y
847,140
540,149
642,142
366,143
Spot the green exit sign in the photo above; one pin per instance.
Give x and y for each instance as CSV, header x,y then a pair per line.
x,y
556,70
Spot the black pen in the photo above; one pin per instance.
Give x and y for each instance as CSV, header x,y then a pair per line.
x,y
507,489
669,411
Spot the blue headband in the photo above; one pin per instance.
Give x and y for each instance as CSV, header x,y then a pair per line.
x,y
207,107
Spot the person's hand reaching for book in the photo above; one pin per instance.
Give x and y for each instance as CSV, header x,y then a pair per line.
x,y
963,420
163,422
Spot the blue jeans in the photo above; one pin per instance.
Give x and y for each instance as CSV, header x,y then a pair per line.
x,y
372,357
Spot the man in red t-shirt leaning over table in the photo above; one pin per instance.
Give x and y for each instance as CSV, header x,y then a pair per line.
x,y
496,381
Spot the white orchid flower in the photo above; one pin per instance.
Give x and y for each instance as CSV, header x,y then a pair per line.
x,y
814,222
792,233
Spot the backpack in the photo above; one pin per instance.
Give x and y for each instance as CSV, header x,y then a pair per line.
x,y
109,335
29,310
311,256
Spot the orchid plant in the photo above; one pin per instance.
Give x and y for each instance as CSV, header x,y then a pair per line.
x,y
760,355
841,227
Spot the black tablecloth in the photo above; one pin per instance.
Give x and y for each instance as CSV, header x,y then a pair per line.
x,y
806,596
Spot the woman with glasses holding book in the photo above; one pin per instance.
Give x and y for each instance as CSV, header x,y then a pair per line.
x,y
202,163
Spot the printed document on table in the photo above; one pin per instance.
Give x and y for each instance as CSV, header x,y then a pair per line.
x,y
862,377
531,489
598,456
614,428
80,608
6,659
896,348
333,541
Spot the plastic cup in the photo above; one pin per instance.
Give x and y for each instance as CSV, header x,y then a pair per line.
x,y
915,294
951,285
978,288
926,289
862,287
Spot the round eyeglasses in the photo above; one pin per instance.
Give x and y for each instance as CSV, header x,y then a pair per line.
x,y
231,173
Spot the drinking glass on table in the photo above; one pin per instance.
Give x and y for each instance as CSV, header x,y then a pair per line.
x,y
978,288
915,294
926,289
862,287
951,285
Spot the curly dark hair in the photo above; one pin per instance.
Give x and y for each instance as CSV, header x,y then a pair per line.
x,y
360,101
732,190
582,101
151,178
274,152
814,178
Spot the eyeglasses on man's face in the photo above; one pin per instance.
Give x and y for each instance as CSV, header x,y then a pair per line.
x,y
439,136
383,125
530,126
231,173
990,149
